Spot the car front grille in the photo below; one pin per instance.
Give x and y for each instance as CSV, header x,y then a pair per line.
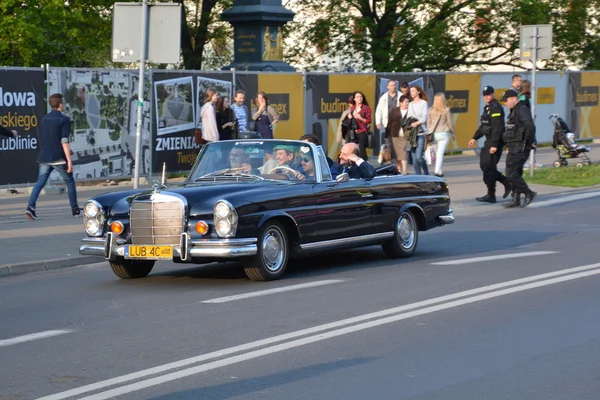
x,y
156,219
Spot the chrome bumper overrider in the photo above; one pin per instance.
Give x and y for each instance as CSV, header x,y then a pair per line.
x,y
447,219
109,248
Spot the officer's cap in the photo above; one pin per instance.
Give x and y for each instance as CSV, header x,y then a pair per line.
x,y
488,90
509,93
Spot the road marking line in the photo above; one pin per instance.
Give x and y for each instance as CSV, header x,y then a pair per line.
x,y
33,336
109,394
272,291
563,199
492,258
309,331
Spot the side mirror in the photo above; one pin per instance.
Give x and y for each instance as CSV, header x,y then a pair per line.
x,y
343,177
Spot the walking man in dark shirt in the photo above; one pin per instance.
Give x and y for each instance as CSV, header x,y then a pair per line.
x,y
55,154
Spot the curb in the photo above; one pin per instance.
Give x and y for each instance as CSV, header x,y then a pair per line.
x,y
38,266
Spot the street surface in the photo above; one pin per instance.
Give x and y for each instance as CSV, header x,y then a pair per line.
x,y
501,305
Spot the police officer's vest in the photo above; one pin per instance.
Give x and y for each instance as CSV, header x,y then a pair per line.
x,y
485,122
515,132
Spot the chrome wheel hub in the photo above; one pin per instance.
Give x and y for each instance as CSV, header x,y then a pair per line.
x,y
405,231
272,250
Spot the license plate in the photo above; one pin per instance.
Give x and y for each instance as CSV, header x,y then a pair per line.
x,y
149,252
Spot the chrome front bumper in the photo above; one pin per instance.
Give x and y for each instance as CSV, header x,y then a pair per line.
x,y
111,248
446,219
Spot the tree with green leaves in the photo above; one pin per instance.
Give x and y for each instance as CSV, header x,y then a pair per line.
x,y
409,35
75,33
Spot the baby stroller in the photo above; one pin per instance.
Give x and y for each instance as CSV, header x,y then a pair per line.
x,y
565,145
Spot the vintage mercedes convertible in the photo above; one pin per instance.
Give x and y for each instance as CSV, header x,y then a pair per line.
x,y
261,202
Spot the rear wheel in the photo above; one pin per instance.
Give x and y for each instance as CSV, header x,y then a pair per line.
x,y
129,269
271,258
406,236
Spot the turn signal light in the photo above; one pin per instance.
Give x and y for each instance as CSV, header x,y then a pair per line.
x,y
117,228
201,227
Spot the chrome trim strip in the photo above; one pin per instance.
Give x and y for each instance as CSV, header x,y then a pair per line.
x,y
351,240
223,242
183,246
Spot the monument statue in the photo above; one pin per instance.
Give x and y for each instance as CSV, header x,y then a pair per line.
x,y
258,34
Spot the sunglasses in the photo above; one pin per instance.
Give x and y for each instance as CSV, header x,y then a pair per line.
x,y
306,159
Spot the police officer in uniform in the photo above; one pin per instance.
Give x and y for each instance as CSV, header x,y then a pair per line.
x,y
492,127
519,138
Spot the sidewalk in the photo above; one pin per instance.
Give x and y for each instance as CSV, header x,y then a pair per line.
x,y
52,241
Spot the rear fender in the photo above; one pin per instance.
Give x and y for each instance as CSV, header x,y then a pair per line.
x,y
417,212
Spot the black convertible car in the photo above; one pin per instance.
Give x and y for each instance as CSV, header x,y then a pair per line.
x,y
261,202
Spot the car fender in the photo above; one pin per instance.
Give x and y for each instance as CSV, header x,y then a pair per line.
x,y
288,221
419,214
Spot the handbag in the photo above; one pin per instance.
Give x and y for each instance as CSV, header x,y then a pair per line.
x,y
429,136
198,136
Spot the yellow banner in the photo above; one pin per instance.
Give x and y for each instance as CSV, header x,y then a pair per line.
x,y
286,96
467,120
587,98
349,83
545,95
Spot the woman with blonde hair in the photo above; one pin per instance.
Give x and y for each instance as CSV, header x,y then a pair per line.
x,y
439,123
210,131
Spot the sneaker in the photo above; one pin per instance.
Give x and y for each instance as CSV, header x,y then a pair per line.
x,y
77,212
30,212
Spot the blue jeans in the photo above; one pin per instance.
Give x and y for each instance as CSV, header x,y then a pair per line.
x,y
418,160
45,171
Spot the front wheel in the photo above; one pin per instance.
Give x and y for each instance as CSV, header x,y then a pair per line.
x,y
130,269
406,236
271,258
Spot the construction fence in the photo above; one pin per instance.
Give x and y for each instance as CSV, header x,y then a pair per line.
x,y
102,105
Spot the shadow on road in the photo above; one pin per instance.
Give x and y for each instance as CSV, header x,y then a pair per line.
x,y
260,383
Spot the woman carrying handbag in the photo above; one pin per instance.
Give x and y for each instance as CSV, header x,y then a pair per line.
x,y
441,130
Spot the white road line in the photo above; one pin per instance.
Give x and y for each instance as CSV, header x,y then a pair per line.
x,y
272,291
33,336
492,258
309,331
563,199
110,394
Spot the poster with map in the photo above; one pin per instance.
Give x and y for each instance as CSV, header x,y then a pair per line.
x,y
102,105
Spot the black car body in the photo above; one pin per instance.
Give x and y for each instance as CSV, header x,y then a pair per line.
x,y
261,202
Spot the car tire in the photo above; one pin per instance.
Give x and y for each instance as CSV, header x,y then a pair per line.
x,y
129,269
406,237
271,257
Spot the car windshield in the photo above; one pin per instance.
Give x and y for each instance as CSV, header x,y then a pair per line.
x,y
255,160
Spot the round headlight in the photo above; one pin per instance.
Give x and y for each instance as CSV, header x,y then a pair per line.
x,y
222,210
223,228
92,227
91,209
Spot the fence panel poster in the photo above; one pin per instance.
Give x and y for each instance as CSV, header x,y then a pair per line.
x,y
22,107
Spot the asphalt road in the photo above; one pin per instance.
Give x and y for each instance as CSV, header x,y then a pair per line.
x,y
448,323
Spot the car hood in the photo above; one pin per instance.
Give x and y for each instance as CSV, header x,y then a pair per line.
x,y
202,196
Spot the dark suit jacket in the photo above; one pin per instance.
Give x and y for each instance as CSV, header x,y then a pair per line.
x,y
362,171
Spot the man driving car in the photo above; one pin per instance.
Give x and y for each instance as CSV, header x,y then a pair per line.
x,y
286,160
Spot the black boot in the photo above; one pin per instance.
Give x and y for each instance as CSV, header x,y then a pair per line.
x,y
507,188
515,202
490,197
529,198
